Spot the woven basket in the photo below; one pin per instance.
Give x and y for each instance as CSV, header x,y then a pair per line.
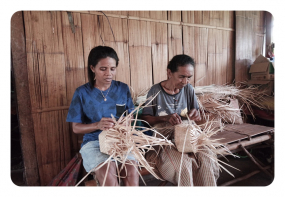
x,y
104,146
179,137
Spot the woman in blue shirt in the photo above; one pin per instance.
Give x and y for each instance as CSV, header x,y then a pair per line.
x,y
90,113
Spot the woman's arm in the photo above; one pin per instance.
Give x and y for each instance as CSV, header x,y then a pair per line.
x,y
104,123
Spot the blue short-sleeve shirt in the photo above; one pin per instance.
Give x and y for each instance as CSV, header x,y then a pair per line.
x,y
88,105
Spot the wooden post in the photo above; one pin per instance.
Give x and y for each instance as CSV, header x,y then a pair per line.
x,y
19,68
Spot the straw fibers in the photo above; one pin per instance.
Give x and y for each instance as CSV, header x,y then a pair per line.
x,y
222,100
125,138
190,138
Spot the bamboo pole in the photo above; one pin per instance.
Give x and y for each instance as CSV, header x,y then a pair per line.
x,y
156,20
242,178
256,163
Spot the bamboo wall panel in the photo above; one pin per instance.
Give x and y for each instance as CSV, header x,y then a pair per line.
x,y
120,45
250,29
90,36
140,55
73,50
74,63
190,47
159,51
45,53
141,14
174,35
162,15
211,75
43,32
53,146
48,90
220,74
201,44
230,58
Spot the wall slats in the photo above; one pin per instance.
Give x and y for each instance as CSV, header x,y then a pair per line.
x,y
250,30
140,54
159,51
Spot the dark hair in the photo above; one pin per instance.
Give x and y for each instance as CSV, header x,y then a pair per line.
x,y
180,60
95,55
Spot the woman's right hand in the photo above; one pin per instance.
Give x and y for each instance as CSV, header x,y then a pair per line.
x,y
105,123
173,119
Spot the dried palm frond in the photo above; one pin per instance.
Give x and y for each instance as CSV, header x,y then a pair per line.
x,y
216,99
190,138
124,139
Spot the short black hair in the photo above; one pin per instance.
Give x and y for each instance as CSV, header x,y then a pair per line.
x,y
95,55
180,60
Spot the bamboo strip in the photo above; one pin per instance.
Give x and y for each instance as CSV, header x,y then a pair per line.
x,y
256,163
157,20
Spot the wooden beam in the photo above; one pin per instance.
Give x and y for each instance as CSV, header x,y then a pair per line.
x,y
19,68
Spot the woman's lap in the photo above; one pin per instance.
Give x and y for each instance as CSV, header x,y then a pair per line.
x,y
92,157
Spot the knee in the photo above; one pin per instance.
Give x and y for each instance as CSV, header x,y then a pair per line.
x,y
109,175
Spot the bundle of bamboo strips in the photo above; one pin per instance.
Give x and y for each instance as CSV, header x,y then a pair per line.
x,y
124,139
220,100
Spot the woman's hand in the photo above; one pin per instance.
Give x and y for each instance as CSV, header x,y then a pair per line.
x,y
173,119
105,123
194,115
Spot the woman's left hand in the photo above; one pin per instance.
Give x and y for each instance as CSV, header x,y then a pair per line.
x,y
194,115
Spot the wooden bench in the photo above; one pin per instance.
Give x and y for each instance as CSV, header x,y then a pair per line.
x,y
245,136
238,137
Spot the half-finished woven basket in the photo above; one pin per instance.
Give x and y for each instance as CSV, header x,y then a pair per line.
x,y
104,144
190,141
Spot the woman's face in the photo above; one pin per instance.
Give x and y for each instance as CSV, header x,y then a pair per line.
x,y
182,76
105,70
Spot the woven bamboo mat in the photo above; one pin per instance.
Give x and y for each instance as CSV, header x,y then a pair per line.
x,y
233,133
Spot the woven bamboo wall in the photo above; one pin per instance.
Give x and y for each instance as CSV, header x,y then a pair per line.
x,y
58,44
250,36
